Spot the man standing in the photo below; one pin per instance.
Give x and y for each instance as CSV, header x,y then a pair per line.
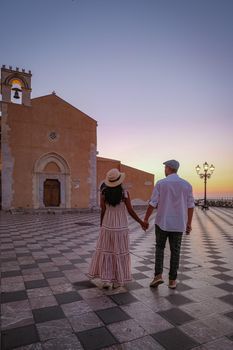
x,y
173,198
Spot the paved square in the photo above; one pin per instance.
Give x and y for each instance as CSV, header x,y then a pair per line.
x,y
47,302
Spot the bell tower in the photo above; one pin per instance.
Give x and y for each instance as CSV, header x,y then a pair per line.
x,y
16,86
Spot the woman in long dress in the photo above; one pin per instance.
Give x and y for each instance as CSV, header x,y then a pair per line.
x,y
111,260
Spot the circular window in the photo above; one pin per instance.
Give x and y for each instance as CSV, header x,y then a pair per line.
x,y
53,136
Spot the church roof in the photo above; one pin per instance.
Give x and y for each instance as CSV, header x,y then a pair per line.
x,y
53,95
107,159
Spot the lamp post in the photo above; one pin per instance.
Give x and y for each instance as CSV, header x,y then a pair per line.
x,y
205,175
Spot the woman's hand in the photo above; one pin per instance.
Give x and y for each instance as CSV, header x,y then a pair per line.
x,y
144,225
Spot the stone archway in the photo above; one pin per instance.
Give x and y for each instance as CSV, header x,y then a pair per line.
x,y
49,170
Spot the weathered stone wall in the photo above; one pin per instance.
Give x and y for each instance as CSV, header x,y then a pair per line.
x,y
139,183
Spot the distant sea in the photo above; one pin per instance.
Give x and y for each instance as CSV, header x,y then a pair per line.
x,y
214,196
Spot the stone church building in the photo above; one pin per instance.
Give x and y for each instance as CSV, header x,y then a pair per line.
x,y
49,152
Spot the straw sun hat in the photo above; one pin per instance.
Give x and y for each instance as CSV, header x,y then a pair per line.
x,y
114,178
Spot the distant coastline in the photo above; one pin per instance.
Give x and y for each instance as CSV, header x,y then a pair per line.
x,y
226,202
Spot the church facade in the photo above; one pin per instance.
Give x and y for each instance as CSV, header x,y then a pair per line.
x,y
49,152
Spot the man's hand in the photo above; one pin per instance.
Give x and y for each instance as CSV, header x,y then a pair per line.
x,y
189,221
188,229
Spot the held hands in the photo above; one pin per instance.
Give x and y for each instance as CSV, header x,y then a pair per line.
x,y
144,225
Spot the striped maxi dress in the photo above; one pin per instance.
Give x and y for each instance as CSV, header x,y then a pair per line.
x,y
111,260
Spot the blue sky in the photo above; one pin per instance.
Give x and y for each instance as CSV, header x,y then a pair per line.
x,y
157,75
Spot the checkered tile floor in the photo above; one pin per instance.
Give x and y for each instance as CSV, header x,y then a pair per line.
x,y
48,303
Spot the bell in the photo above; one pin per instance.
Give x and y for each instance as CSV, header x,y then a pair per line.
x,y
16,94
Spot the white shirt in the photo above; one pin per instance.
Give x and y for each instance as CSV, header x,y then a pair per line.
x,y
172,197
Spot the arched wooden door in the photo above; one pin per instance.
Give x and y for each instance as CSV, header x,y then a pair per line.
x,y
52,193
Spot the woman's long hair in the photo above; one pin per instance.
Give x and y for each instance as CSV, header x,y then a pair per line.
x,y
113,195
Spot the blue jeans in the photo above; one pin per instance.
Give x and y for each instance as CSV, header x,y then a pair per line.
x,y
175,239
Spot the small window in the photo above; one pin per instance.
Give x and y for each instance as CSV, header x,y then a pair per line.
x,y
53,136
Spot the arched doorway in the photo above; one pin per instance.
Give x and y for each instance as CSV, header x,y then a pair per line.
x,y
51,182
52,193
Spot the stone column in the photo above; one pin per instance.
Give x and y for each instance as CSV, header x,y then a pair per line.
x,y
7,162
92,177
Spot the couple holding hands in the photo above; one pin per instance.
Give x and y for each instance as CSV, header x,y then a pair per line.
x,y
174,203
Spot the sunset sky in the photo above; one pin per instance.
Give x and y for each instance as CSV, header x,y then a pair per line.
x,y
157,75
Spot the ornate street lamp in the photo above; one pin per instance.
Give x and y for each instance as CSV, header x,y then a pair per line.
x,y
208,171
